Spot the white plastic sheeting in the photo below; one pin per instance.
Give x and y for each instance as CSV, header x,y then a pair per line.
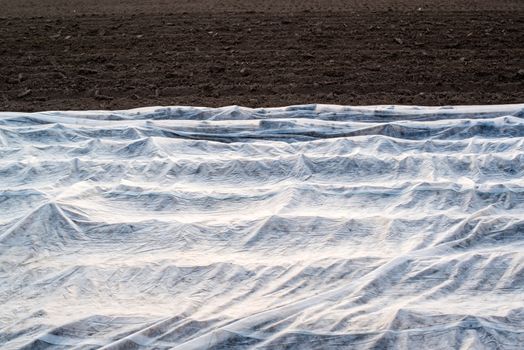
x,y
303,227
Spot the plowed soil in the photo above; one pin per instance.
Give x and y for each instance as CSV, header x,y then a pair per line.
x,y
82,54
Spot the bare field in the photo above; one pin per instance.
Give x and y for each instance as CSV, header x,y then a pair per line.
x,y
90,55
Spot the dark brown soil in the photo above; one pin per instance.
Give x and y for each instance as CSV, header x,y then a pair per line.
x,y
85,54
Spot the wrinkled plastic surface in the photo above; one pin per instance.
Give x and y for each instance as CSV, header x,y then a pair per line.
x,y
303,227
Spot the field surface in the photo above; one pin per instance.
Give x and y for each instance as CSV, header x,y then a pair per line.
x,y
86,54
313,226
